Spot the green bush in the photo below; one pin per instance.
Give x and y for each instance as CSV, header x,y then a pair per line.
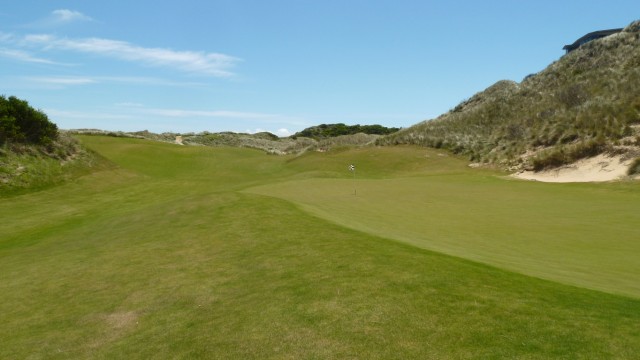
x,y
324,131
20,123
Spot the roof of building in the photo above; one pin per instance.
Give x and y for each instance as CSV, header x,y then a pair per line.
x,y
589,37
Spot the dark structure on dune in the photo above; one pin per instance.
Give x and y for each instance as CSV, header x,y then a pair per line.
x,y
590,37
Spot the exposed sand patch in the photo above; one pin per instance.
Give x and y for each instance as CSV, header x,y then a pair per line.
x,y
595,169
114,326
121,320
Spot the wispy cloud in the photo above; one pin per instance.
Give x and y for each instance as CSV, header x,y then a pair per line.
x,y
129,104
24,56
140,80
131,115
58,18
85,115
61,80
280,132
4,37
63,16
64,81
195,62
181,113
260,117
267,120
12,49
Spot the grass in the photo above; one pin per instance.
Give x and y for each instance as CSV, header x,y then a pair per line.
x,y
582,235
634,168
169,256
26,167
585,102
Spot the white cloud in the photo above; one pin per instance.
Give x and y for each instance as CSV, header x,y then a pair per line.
x,y
283,132
37,38
67,16
280,132
24,56
62,80
181,113
85,115
138,80
58,18
130,116
261,119
4,37
129,104
197,62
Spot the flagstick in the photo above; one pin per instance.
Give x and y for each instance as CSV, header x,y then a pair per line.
x,y
354,182
352,168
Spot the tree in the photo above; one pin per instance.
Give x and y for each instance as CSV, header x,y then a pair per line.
x,y
21,123
323,131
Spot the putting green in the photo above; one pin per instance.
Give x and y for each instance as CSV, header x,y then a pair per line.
x,y
579,234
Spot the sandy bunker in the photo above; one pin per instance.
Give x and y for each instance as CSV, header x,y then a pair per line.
x,y
596,169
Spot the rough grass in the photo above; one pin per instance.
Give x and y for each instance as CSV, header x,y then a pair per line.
x,y
165,258
634,168
590,95
25,167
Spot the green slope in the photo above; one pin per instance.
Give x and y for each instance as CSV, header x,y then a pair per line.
x,y
166,257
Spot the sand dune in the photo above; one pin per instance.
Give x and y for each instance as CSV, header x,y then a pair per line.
x,y
595,169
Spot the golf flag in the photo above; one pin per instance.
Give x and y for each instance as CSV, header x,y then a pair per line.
x,y
352,168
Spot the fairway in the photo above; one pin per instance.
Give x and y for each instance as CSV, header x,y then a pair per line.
x,y
199,252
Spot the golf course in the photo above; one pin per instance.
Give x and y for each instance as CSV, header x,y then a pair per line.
x,y
170,251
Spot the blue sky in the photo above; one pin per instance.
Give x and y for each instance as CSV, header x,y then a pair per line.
x,y
280,65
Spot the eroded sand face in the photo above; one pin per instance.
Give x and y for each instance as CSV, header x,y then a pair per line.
x,y
595,169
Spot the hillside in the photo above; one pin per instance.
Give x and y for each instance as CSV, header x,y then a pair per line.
x,y
26,167
584,104
321,138
33,152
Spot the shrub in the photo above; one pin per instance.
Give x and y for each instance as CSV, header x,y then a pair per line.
x,y
323,131
21,123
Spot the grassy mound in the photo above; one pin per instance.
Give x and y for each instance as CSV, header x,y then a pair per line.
x,y
33,153
587,102
268,142
171,255
26,167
